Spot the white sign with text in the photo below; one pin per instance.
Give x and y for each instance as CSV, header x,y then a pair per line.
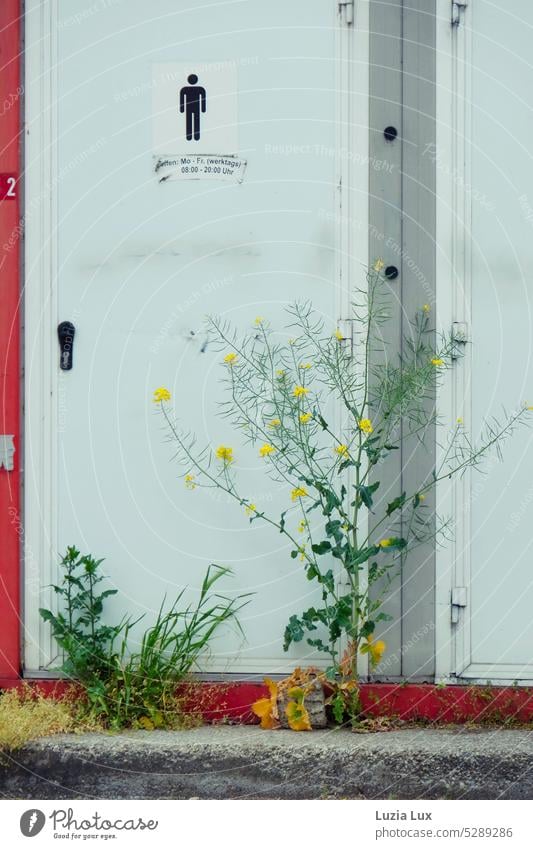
x,y
201,167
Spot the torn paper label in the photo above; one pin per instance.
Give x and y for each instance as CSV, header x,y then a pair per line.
x,y
200,166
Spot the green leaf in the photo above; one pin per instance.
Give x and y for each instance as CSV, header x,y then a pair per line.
x,y
337,705
362,555
365,493
321,547
312,572
331,673
294,632
309,618
396,504
319,644
47,615
367,629
328,580
322,422
345,464
333,529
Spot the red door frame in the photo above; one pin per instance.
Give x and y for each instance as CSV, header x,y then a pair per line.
x,y
11,526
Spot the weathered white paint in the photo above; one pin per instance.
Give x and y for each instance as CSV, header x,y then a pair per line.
x,y
135,265
484,183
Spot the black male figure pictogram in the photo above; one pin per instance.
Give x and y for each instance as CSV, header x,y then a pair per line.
x,y
193,101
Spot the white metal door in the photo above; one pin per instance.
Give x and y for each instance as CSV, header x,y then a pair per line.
x,y
489,268
135,263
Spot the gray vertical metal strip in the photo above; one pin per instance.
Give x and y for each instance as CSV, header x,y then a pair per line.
x,y
418,288
385,189
402,232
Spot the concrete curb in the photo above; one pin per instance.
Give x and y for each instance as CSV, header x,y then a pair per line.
x,y
243,762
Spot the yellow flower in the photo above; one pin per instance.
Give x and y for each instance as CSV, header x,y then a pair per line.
x,y
302,553
365,425
305,417
341,450
274,423
299,492
266,449
345,528
249,509
421,497
426,308
299,391
527,405
280,373
379,265
304,365
436,361
459,421
292,341
259,321
385,543
161,394
302,526
229,359
376,650
225,453
189,482
339,335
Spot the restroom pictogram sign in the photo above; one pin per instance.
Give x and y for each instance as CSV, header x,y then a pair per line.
x,y
195,108
193,102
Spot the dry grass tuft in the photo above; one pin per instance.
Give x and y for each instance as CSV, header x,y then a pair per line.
x,y
26,714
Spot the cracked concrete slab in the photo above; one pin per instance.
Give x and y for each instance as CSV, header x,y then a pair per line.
x,y
223,762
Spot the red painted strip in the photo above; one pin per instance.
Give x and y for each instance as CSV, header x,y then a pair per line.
x,y
10,519
232,701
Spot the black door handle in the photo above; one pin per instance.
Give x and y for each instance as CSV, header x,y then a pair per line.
x,y
65,333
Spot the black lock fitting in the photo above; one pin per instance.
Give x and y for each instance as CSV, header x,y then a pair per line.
x,y
65,334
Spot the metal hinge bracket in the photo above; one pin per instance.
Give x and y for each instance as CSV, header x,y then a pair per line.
x,y
458,10
459,600
347,11
459,338
7,451
345,327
